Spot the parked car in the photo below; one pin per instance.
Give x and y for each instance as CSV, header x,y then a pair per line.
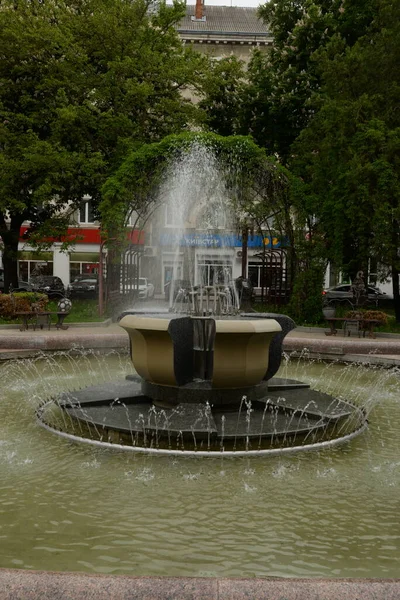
x,y
84,286
23,286
344,292
146,289
48,284
141,288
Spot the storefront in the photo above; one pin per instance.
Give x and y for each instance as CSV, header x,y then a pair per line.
x,y
81,256
208,258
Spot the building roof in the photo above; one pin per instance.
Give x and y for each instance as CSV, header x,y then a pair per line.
x,y
224,21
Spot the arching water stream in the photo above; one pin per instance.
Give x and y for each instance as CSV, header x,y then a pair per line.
x,y
72,507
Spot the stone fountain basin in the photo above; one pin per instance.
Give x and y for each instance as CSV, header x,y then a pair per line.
x,y
161,349
120,406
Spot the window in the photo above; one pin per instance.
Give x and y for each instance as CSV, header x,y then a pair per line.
x,y
211,271
86,213
82,268
172,219
132,219
255,274
267,274
213,216
34,268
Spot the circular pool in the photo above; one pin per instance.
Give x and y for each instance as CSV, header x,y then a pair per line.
x,y
65,506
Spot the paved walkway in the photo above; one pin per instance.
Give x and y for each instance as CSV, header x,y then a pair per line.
x,y
384,349
22,585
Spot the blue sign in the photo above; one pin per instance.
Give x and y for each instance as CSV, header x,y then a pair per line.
x,y
212,240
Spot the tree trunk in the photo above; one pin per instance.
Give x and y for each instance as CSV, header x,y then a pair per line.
x,y
10,239
395,270
396,294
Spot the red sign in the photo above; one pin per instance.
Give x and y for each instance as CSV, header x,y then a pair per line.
x,y
87,235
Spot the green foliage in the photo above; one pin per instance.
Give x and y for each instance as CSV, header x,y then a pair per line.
x,y
306,301
79,82
222,89
248,170
349,155
284,86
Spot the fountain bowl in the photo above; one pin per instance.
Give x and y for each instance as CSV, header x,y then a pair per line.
x,y
204,386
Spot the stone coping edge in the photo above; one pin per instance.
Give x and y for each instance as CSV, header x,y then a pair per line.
x,y
23,585
105,323
379,334
64,341
341,346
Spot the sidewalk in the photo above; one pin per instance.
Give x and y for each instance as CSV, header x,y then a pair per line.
x,y
312,342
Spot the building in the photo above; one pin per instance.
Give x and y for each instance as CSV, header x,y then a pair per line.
x,y
82,256
201,245
223,31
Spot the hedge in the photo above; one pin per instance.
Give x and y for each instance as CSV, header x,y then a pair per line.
x,y
21,302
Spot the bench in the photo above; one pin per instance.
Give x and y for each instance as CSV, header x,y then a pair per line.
x,y
41,319
352,325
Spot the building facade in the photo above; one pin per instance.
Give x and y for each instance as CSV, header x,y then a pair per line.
x,y
222,31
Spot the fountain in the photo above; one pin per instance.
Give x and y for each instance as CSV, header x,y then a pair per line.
x,y
204,386
81,507
205,372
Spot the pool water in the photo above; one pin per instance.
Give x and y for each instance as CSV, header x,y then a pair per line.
x,y
71,507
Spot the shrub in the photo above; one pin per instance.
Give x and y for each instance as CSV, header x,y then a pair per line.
x,y
377,315
21,302
306,302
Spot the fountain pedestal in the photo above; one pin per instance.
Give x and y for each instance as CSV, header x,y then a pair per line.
x,y
232,355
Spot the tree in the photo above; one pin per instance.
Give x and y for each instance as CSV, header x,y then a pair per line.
x,y
222,88
284,85
349,155
80,80
257,183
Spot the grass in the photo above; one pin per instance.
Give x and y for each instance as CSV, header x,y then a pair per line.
x,y
83,311
391,326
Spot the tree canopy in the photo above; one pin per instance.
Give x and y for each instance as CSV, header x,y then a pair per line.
x,y
279,93
349,155
257,184
80,81
325,101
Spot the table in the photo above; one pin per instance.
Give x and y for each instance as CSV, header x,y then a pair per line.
x,y
41,319
363,324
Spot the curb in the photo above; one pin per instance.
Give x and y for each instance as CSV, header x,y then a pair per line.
x,y
20,585
340,347
64,342
379,334
105,323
